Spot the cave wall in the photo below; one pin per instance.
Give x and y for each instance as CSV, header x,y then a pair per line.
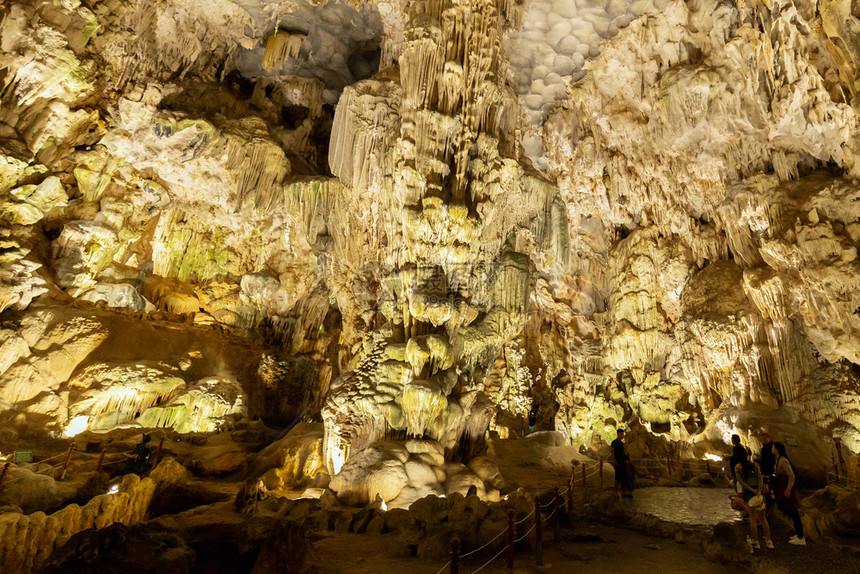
x,y
431,218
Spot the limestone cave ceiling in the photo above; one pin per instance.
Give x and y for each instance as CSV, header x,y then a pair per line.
x,y
430,218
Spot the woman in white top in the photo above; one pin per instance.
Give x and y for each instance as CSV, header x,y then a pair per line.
x,y
787,499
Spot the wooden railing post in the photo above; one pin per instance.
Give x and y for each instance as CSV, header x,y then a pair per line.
x,y
556,507
158,452
708,465
827,477
570,486
510,556
669,465
600,472
455,556
101,461
3,474
538,533
584,484
67,461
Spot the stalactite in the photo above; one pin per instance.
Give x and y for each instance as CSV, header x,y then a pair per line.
x,y
423,401
200,408
260,168
121,393
767,291
280,47
365,123
421,60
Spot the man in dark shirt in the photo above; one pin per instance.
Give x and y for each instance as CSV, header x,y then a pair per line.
x,y
766,462
533,418
766,458
739,453
622,476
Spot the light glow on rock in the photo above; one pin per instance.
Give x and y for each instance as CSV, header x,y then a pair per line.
x,y
337,451
76,426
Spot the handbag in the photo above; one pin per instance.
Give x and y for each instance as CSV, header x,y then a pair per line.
x,y
757,502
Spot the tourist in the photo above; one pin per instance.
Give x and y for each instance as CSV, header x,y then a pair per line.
x,y
739,454
766,461
138,457
787,499
837,457
751,500
621,463
736,496
766,458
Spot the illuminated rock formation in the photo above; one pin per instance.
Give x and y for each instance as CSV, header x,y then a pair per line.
x,y
26,541
420,222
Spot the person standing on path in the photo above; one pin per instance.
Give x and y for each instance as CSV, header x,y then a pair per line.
x,y
739,454
750,498
622,475
787,499
767,461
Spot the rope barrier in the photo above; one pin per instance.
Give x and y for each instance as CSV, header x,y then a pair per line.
x,y
42,472
843,480
442,569
46,471
687,463
46,460
487,563
525,518
50,458
467,554
523,537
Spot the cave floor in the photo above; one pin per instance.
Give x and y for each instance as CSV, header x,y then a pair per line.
x,y
596,548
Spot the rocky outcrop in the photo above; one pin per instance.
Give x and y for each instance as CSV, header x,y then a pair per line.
x,y
26,541
119,547
831,510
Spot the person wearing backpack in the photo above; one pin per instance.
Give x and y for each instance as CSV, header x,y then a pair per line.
x,y
138,458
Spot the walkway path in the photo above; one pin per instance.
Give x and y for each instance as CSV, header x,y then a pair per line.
x,y
686,505
595,549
